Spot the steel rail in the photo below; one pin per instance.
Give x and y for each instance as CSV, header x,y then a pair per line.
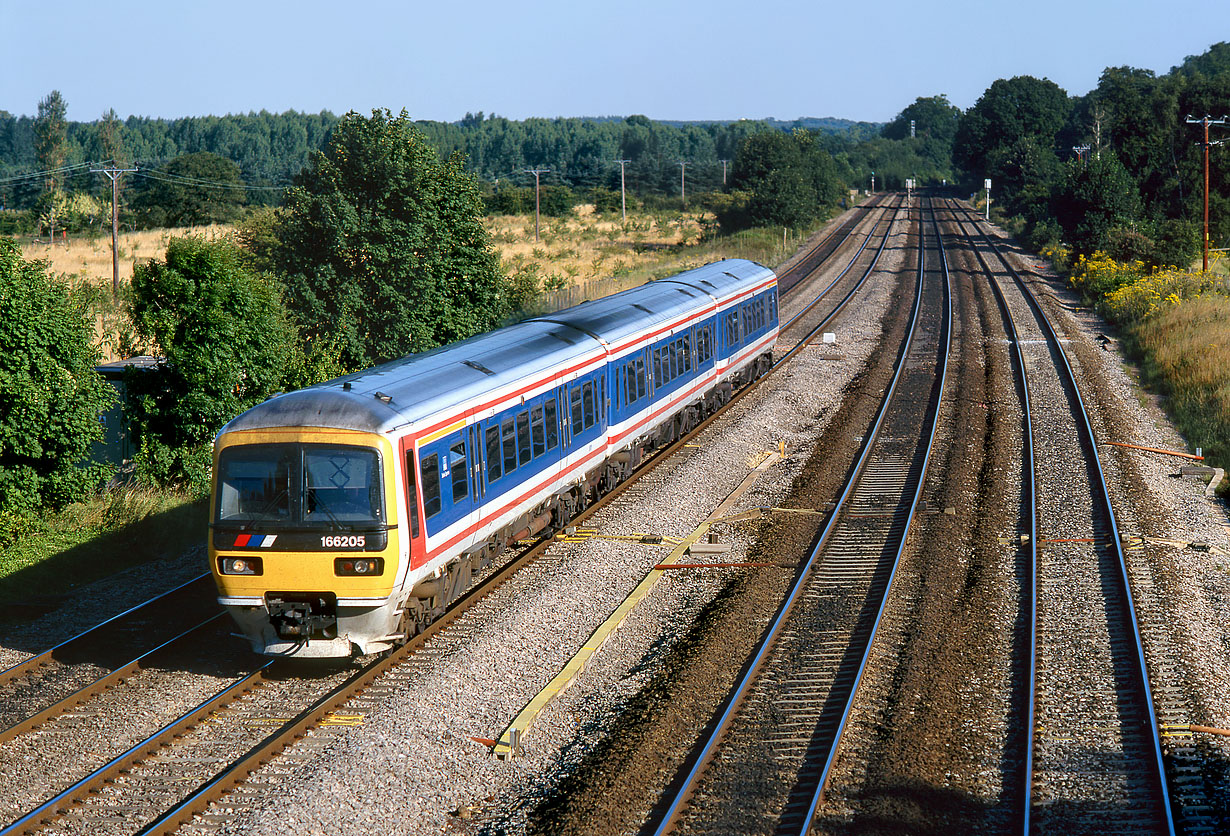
x,y
821,785
56,807
671,817
841,305
93,689
1089,443
808,263
47,656
1022,381
853,260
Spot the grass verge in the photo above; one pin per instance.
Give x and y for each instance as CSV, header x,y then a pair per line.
x,y
44,558
1176,325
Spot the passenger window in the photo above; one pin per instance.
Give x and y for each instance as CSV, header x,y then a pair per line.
x,y
460,471
685,355
429,471
493,452
590,415
537,431
523,436
640,379
574,396
657,366
552,425
412,497
510,447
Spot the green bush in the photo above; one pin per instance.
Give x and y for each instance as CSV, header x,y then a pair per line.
x,y
555,201
510,200
50,394
227,344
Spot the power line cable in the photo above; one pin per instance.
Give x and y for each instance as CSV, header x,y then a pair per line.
x,y
167,177
35,175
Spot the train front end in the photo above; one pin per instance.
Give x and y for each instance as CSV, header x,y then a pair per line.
x,y
303,540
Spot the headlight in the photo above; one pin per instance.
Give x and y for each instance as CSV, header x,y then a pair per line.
x,y
239,565
358,565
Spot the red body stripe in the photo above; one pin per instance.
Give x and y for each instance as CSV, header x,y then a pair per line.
x,y
578,466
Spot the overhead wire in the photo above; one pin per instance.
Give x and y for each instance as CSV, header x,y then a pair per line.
x,y
34,175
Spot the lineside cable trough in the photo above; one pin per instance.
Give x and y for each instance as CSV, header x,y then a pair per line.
x,y
509,742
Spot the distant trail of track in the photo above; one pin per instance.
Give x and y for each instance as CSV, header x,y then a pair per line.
x,y
805,266
806,672
1093,759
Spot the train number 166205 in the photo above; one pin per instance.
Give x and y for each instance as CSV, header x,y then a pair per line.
x,y
343,541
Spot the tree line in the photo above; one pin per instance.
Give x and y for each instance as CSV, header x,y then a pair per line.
x,y
251,158
1119,169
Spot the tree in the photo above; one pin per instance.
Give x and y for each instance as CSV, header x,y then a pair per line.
x,y
50,394
192,190
1097,195
790,178
933,117
226,343
1009,110
50,147
383,245
51,136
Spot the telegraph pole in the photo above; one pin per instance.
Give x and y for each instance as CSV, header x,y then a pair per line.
x,y
1081,151
536,172
623,199
723,162
1206,121
113,174
683,191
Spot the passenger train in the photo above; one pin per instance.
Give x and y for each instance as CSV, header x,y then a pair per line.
x,y
346,516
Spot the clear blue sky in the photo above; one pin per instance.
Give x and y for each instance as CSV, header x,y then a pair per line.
x,y
663,58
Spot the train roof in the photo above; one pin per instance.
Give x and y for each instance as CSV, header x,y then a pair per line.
x,y
420,386
630,312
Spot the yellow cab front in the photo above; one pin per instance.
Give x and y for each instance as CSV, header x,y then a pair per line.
x,y
303,539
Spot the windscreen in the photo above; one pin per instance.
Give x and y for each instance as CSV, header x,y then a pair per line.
x,y
305,484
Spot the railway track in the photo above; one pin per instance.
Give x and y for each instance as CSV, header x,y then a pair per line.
x,y
802,681
1092,754
168,777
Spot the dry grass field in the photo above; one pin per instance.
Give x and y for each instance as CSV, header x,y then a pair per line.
x,y
88,259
